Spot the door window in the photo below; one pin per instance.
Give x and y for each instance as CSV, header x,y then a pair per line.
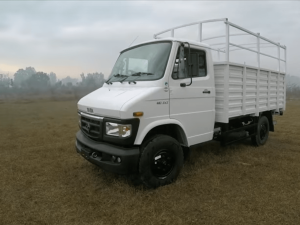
x,y
198,66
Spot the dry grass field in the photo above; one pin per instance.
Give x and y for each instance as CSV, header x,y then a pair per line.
x,y
44,181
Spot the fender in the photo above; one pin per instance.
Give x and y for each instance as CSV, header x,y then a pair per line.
x,y
141,135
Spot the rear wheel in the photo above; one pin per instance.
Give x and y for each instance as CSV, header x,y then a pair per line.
x,y
161,161
262,132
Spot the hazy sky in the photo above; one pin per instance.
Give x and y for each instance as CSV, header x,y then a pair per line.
x,y
71,37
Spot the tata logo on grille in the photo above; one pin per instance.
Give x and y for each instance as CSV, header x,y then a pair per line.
x,y
90,110
88,127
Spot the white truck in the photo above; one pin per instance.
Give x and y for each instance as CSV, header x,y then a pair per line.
x,y
167,94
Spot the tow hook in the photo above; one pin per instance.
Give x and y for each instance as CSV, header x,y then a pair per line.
x,y
94,155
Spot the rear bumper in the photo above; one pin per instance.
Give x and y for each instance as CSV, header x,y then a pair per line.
x,y
101,154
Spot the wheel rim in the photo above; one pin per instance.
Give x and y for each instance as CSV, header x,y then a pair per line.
x,y
163,163
263,131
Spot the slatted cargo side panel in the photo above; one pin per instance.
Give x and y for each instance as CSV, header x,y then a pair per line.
x,y
281,91
221,114
251,77
273,90
263,90
235,92
241,90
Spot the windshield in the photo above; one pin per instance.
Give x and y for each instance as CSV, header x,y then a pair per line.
x,y
145,62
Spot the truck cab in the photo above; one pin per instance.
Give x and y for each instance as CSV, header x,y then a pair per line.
x,y
159,100
144,96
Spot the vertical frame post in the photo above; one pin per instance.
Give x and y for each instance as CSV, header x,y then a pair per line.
x,y
285,60
278,50
227,73
244,89
269,89
227,41
258,50
278,78
172,33
258,75
200,32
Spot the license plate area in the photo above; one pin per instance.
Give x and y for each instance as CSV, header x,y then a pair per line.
x,y
85,152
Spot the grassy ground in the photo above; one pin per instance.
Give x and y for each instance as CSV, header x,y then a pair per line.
x,y
44,181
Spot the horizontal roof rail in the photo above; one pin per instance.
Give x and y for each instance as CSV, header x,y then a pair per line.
x,y
189,24
229,44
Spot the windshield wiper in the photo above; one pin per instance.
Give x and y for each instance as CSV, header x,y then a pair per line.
x,y
141,73
107,82
135,75
120,75
117,75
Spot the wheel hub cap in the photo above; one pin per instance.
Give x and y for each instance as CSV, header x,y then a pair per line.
x,y
163,163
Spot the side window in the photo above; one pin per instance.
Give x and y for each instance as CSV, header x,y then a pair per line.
x,y
198,64
202,71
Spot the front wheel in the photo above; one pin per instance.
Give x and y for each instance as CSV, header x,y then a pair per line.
x,y
262,132
161,161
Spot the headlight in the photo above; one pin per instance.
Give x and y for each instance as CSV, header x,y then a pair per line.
x,y
79,120
118,130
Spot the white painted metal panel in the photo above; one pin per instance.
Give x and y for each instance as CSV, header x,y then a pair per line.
x,y
193,108
243,90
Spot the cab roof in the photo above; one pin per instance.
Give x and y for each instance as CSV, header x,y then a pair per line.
x,y
192,42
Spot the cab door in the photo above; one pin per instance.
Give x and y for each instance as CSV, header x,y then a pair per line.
x,y
193,106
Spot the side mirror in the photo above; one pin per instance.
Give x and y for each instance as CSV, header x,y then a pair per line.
x,y
181,63
182,71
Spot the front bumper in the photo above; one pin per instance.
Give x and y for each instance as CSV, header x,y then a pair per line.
x,y
101,154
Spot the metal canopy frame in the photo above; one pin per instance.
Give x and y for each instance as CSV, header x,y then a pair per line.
x,y
228,43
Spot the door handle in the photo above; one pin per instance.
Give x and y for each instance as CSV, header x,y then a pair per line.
x,y
206,91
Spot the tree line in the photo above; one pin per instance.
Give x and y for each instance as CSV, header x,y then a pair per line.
x,y
292,87
28,82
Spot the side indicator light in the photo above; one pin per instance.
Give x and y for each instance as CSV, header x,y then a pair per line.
x,y
138,114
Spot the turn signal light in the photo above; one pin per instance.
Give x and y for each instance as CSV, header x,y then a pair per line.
x,y
138,114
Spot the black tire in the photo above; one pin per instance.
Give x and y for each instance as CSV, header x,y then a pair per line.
x,y
186,153
161,161
262,135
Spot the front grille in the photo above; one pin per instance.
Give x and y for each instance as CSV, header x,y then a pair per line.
x,y
91,126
